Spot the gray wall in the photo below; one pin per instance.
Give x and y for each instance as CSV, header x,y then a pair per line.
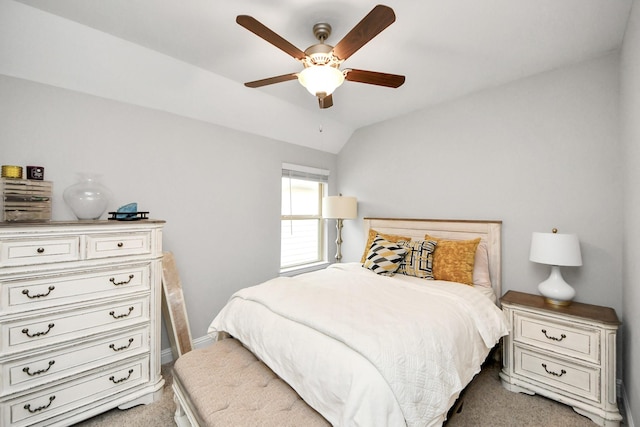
x,y
538,153
218,189
630,83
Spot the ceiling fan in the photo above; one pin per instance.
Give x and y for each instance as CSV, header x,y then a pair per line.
x,y
321,74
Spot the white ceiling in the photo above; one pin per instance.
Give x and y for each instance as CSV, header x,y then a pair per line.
x,y
446,48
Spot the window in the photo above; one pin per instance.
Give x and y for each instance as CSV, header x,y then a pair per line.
x,y
302,228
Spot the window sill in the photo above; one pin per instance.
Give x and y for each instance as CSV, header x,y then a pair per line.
x,y
307,268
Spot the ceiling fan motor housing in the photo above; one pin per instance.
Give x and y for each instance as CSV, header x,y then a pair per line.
x,y
320,54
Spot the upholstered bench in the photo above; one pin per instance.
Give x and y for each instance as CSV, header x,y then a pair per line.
x,y
224,384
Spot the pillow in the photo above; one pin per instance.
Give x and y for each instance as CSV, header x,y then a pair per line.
x,y
388,237
481,276
418,261
384,257
453,260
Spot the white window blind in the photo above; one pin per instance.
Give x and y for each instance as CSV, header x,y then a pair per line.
x,y
302,227
305,172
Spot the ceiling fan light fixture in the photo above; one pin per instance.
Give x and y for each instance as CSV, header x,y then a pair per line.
x,y
321,79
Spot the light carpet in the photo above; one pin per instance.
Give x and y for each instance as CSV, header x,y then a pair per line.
x,y
485,404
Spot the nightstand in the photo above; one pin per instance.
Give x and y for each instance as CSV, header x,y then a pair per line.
x,y
564,353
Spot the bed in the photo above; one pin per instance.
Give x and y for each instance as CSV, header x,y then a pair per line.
x,y
365,345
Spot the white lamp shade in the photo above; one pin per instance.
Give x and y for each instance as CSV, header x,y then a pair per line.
x,y
321,79
339,207
555,249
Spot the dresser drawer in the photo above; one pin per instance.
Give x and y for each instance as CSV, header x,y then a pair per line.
x,y
110,245
54,290
39,251
62,398
557,336
34,332
30,372
567,377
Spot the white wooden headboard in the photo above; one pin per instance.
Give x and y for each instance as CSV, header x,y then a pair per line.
x,y
488,231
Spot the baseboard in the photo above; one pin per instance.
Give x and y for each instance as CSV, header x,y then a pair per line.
x,y
166,355
626,409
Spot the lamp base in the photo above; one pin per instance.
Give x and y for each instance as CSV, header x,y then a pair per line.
x,y
557,303
555,290
339,240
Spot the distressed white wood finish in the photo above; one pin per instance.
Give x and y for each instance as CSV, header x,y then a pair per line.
x,y
564,353
80,319
488,231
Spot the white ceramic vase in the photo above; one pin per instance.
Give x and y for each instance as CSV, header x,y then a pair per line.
x,y
88,198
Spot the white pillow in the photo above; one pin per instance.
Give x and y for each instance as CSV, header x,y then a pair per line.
x,y
481,275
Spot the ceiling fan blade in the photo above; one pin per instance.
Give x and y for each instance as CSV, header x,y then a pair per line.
x,y
272,80
326,101
371,25
260,30
374,78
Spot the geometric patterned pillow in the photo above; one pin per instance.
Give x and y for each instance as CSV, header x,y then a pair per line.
x,y
419,261
453,260
384,257
373,234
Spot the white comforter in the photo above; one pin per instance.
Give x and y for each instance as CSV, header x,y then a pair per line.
x,y
364,349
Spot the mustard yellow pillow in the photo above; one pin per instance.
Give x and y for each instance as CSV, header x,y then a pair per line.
x,y
453,260
388,237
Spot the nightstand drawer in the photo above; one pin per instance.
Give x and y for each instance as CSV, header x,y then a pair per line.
x,y
562,374
557,336
39,251
110,245
54,290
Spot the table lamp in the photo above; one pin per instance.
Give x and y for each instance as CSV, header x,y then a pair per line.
x,y
557,250
339,208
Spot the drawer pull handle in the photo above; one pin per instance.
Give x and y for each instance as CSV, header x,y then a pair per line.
x,y
113,380
562,336
124,282
120,316
40,408
40,250
37,334
120,244
26,292
124,347
41,371
555,374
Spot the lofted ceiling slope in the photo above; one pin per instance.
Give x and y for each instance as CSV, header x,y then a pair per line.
x,y
446,49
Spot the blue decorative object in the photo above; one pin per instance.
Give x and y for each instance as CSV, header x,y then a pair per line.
x,y
127,211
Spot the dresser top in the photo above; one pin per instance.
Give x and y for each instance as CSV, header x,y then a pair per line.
x,y
576,309
17,224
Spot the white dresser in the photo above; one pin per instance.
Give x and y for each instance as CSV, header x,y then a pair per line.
x,y
79,319
564,353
